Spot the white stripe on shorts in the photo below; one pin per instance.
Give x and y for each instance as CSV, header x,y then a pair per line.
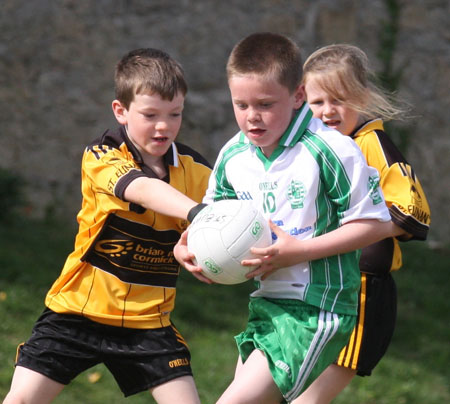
x,y
327,326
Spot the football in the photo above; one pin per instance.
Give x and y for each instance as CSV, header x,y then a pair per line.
x,y
221,235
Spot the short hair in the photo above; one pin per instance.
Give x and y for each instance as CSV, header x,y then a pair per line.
x,y
343,71
267,54
148,70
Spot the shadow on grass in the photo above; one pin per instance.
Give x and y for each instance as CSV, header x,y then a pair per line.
x,y
423,326
212,306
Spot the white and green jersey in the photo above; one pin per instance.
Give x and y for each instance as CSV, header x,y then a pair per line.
x,y
315,181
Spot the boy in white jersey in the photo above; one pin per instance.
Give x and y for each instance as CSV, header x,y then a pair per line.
x,y
323,201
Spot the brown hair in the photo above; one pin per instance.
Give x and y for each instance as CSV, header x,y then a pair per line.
x,y
268,54
343,71
148,70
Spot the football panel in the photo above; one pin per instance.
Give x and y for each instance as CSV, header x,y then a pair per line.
x,y
241,221
229,222
257,234
230,274
218,214
213,258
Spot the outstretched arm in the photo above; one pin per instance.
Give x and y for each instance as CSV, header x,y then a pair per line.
x,y
287,250
157,195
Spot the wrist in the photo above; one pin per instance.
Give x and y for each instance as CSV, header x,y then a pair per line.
x,y
195,210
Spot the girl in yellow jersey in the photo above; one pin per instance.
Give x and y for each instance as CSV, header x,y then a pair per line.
x,y
112,302
340,91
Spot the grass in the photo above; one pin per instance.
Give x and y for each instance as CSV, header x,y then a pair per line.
x,y
415,369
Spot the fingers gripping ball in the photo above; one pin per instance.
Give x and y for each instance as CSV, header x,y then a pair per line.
x,y
221,236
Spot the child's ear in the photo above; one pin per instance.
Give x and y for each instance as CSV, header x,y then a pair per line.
x,y
300,96
120,112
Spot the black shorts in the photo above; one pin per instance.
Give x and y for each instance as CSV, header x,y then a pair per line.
x,y
62,346
375,325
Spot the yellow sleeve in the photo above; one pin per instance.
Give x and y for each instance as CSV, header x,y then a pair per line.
x,y
401,187
108,169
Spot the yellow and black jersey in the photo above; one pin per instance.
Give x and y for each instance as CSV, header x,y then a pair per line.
x,y
122,271
403,193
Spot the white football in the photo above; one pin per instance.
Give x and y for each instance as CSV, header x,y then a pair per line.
x,y
221,236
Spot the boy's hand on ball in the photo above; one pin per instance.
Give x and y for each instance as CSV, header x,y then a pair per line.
x,y
187,259
283,253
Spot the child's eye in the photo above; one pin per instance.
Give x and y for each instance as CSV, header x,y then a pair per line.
x,y
149,116
176,114
241,106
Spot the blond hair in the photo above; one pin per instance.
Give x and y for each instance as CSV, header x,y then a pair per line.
x,y
343,71
267,54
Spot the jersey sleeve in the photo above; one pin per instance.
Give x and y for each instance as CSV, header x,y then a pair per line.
x,y
218,185
109,170
352,185
401,187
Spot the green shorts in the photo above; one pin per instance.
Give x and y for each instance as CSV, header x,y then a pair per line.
x,y
298,340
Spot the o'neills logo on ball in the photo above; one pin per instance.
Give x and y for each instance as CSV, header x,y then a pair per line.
x,y
212,266
256,230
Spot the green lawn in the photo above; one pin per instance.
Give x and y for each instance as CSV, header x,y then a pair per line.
x,y
414,371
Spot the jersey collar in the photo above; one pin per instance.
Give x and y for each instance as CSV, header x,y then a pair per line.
x,y
297,126
369,126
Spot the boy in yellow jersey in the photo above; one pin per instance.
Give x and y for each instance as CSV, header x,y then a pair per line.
x,y
112,302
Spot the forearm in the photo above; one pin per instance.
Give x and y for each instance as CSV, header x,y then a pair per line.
x,y
349,237
154,194
288,251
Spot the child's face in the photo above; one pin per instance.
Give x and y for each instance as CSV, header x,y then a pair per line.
x,y
263,108
153,123
331,111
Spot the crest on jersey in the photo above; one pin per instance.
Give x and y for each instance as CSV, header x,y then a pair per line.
x,y
373,186
296,194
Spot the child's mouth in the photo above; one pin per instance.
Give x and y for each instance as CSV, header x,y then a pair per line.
x,y
256,132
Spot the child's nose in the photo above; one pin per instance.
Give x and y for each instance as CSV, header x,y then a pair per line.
x,y
253,115
328,109
161,125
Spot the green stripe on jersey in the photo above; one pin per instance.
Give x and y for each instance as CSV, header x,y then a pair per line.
x,y
333,199
334,175
224,190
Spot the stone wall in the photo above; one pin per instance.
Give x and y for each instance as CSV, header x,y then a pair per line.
x,y
57,60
